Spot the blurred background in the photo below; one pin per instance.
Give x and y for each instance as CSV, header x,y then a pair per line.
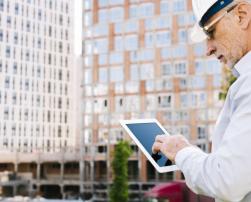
x,y
71,69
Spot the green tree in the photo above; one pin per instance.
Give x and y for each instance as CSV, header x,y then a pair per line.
x,y
228,81
119,188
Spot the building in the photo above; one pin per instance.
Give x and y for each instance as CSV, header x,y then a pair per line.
x,y
36,75
139,63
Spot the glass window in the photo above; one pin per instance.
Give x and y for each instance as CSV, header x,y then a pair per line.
x,y
166,84
116,2
116,58
131,42
88,4
103,3
199,49
146,54
146,71
166,53
131,26
182,36
103,15
102,59
149,23
100,30
180,68
179,5
134,72
132,103
164,7
167,69
163,38
119,43
217,80
200,67
164,22
1,35
88,18
179,51
151,102
88,76
133,11
165,101
132,87
146,10
103,75
118,27
198,82
7,51
214,67
116,14
101,46
116,74
149,40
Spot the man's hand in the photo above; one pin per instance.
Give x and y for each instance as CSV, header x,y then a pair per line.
x,y
170,145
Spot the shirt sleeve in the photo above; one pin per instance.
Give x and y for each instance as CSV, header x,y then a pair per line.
x,y
224,174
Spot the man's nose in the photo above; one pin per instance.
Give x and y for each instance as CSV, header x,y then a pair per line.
x,y
210,47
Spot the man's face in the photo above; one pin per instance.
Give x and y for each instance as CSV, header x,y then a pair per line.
x,y
229,41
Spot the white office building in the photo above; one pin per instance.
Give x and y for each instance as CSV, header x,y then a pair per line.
x,y
36,75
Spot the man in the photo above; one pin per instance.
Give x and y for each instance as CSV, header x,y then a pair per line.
x,y
225,174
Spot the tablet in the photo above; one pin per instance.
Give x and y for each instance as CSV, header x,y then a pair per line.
x,y
143,133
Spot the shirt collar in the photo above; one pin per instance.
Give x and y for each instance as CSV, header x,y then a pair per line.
x,y
243,65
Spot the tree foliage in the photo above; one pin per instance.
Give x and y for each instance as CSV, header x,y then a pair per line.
x,y
119,188
228,81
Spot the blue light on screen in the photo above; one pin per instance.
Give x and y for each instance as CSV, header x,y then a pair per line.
x,y
146,133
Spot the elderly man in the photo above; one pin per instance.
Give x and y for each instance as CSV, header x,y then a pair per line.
x,y
224,174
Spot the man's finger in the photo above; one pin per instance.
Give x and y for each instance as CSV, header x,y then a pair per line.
x,y
156,147
160,138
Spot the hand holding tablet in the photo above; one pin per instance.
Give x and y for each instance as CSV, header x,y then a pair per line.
x,y
144,132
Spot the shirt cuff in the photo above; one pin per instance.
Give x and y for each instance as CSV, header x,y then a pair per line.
x,y
185,153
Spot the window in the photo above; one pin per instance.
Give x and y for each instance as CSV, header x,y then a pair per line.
x,y
182,36
149,40
116,74
179,5
146,71
165,101
163,22
116,14
103,75
134,73
201,131
7,51
103,16
1,35
1,5
146,10
131,42
180,68
163,38
164,7
100,46
167,69
133,11
116,58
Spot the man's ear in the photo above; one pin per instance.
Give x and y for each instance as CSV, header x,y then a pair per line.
x,y
243,14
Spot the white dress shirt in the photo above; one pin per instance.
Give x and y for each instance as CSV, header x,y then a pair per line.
x,y
225,174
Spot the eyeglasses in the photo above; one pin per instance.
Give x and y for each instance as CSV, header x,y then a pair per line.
x,y
210,28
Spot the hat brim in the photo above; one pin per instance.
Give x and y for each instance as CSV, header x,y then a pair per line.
x,y
197,35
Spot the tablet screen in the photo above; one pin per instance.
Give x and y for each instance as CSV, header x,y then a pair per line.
x,y
146,133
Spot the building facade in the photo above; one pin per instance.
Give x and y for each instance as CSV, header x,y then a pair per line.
x,y
140,63
36,75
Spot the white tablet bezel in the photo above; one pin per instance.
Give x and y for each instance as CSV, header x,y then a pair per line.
x,y
149,157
